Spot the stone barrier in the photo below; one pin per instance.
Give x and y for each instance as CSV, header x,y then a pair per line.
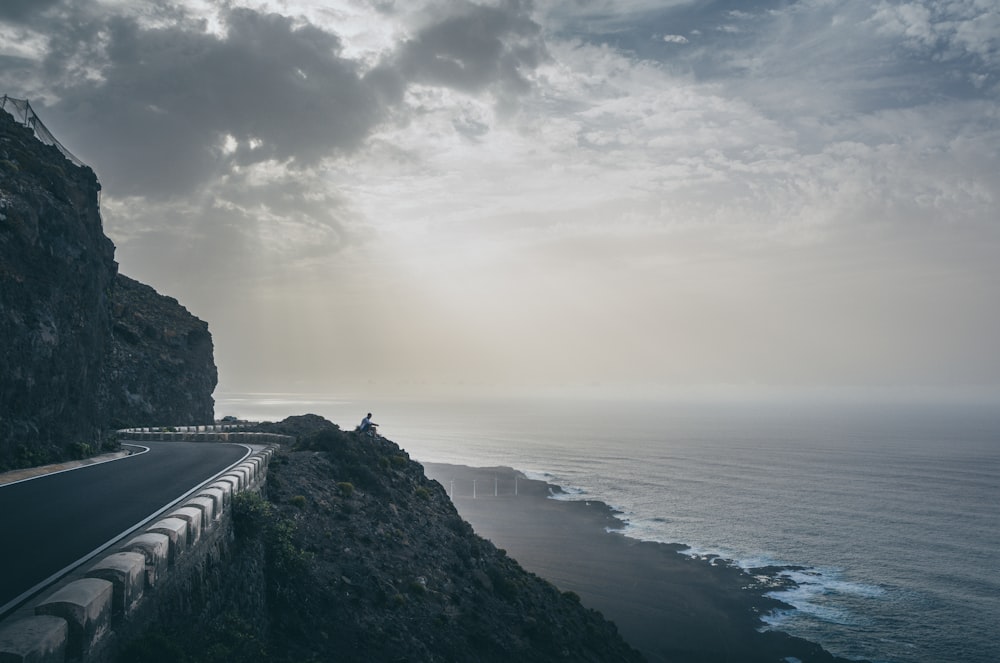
x,y
246,437
126,573
86,606
77,619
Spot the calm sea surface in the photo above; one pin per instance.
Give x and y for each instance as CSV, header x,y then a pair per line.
x,y
892,511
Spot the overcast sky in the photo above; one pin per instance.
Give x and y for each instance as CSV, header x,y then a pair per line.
x,y
379,195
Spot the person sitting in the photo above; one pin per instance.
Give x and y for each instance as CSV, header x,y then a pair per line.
x,y
367,425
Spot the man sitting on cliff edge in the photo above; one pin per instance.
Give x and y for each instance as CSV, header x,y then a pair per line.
x,y
367,425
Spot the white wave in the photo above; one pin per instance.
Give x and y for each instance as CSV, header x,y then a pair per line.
x,y
537,475
810,594
815,593
570,494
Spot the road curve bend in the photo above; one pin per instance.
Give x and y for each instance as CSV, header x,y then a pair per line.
x,y
52,523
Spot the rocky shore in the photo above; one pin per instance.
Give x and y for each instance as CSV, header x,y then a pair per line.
x,y
670,606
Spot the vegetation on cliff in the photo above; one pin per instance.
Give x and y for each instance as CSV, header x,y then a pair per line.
x,y
366,559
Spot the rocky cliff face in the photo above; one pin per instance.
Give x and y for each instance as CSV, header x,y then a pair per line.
x,y
82,350
359,557
161,369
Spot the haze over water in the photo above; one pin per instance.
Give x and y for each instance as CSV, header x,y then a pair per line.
x,y
429,194
890,510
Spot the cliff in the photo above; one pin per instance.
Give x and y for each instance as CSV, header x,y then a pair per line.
x,y
360,557
83,349
161,369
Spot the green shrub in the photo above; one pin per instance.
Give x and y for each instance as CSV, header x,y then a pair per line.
x,y
299,501
253,517
346,488
232,638
110,443
28,456
152,647
503,586
80,450
422,493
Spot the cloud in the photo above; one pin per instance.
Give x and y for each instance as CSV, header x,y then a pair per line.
x,y
476,47
173,100
24,10
549,191
951,30
223,133
164,99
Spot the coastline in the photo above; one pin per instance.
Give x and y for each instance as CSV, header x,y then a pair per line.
x,y
670,606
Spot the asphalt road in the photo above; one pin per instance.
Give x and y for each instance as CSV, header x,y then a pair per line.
x,y
53,523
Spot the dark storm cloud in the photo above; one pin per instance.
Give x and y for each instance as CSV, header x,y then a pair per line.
x,y
476,47
167,97
23,10
160,104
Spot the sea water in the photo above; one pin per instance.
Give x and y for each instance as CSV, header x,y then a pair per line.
x,y
889,513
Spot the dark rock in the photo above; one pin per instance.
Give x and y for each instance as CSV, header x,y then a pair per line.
x,y
161,369
83,350
57,270
385,571
420,585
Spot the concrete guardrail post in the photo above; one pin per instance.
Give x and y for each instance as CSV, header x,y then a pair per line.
x,y
156,549
244,473
38,639
193,517
126,573
232,482
176,531
238,478
218,496
207,507
85,604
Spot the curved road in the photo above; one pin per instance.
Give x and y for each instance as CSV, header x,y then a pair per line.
x,y
52,523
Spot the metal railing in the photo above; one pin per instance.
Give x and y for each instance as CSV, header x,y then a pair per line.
x,y
21,110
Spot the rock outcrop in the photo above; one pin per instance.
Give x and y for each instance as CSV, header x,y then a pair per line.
x,y
82,350
360,557
161,369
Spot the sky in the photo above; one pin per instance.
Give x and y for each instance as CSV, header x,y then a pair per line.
x,y
631,196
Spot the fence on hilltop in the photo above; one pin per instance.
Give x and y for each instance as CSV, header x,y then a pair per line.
x,y
21,110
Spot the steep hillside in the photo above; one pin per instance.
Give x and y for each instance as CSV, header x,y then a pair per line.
x,y
83,350
57,270
161,369
366,559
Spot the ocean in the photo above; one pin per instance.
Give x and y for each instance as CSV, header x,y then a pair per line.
x,y
889,513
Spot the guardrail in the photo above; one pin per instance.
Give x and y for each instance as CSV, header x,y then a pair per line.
x,y
209,433
74,622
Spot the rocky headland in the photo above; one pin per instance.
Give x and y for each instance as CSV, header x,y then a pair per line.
x,y
356,555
